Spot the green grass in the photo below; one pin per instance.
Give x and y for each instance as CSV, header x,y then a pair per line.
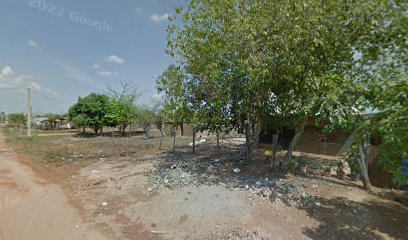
x,y
43,149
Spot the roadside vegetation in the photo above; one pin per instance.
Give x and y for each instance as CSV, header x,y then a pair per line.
x,y
243,68
243,64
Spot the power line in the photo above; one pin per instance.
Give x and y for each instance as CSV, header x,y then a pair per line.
x,y
52,98
9,88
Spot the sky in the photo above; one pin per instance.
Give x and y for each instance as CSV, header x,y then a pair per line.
x,y
63,49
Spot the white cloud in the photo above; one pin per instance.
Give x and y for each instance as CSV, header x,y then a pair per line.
x,y
9,79
6,71
114,59
139,9
105,73
96,66
159,18
33,44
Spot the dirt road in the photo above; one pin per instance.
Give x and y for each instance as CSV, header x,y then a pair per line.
x,y
31,208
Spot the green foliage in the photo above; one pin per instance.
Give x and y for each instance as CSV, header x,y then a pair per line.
x,y
351,157
385,60
120,113
392,102
121,109
17,119
80,121
172,84
90,111
144,117
250,60
243,61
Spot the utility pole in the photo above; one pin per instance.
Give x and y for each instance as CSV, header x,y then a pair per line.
x,y
29,110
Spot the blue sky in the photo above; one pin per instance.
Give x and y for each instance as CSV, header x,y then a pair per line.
x,y
63,49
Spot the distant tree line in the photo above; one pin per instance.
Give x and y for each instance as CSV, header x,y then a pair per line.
x,y
117,109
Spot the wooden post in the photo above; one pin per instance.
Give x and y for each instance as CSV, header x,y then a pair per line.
x,y
29,110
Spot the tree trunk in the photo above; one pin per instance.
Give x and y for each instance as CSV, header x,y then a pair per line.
x,y
274,148
174,138
194,135
247,141
179,137
363,162
289,152
161,139
83,129
218,139
252,140
123,130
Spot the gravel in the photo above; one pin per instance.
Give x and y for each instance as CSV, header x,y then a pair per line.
x,y
176,172
237,234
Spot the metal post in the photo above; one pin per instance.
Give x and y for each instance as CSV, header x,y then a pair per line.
x,y
29,110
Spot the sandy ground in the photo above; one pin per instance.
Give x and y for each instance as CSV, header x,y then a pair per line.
x,y
133,211
31,208
106,186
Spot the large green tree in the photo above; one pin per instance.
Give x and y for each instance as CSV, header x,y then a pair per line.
x,y
244,61
91,111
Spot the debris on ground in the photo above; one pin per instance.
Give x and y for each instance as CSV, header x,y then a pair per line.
x,y
183,173
237,234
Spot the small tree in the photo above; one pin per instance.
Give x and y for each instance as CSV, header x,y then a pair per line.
x,y
17,119
145,118
122,109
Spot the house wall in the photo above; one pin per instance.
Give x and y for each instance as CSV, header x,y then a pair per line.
x,y
188,130
168,126
313,142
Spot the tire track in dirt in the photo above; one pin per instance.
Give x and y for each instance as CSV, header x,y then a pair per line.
x,y
32,208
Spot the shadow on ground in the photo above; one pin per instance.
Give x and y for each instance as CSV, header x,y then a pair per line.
x,y
341,218
212,166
